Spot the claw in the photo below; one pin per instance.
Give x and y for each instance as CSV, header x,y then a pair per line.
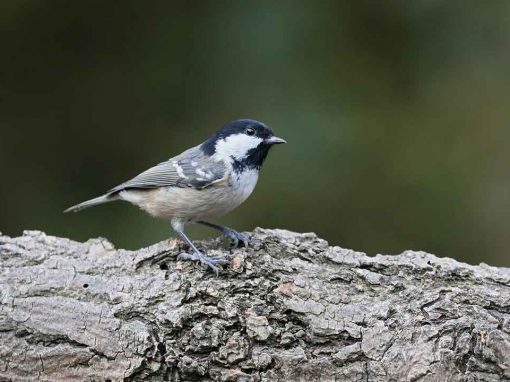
x,y
210,262
236,237
218,260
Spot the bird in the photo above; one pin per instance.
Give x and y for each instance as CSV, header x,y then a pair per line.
x,y
202,183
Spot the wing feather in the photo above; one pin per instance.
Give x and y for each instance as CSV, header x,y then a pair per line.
x,y
192,169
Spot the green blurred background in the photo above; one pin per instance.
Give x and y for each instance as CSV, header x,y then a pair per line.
x,y
396,113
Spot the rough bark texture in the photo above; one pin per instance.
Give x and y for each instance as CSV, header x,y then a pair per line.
x,y
290,308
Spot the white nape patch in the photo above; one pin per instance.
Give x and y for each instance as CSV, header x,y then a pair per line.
x,y
236,146
179,170
194,164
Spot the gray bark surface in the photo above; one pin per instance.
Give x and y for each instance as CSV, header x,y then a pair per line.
x,y
290,308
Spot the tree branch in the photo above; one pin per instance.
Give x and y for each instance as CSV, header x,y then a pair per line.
x,y
290,308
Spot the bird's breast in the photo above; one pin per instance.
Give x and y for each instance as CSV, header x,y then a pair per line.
x,y
243,183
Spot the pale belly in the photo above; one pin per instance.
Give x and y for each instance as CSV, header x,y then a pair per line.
x,y
190,204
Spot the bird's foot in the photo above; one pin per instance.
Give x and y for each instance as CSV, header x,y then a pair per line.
x,y
210,262
237,239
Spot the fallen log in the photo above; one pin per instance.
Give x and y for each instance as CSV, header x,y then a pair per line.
x,y
289,308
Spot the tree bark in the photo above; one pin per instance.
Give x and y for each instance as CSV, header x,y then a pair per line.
x,y
289,308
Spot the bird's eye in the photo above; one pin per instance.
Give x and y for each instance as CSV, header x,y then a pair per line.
x,y
250,131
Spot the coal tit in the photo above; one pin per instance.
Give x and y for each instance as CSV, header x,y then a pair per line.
x,y
204,182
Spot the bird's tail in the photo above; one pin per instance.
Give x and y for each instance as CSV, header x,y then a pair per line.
x,y
92,202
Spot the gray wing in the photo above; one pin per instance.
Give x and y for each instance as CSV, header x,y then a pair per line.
x,y
191,169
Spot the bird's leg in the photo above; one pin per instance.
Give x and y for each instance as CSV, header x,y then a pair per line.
x,y
236,238
211,262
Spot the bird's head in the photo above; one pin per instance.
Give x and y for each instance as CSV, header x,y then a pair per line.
x,y
244,143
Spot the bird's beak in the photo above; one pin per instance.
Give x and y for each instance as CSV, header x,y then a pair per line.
x,y
275,140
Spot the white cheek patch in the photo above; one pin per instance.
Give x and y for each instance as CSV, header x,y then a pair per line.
x,y
236,146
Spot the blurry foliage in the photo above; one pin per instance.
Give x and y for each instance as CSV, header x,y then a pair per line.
x,y
396,114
